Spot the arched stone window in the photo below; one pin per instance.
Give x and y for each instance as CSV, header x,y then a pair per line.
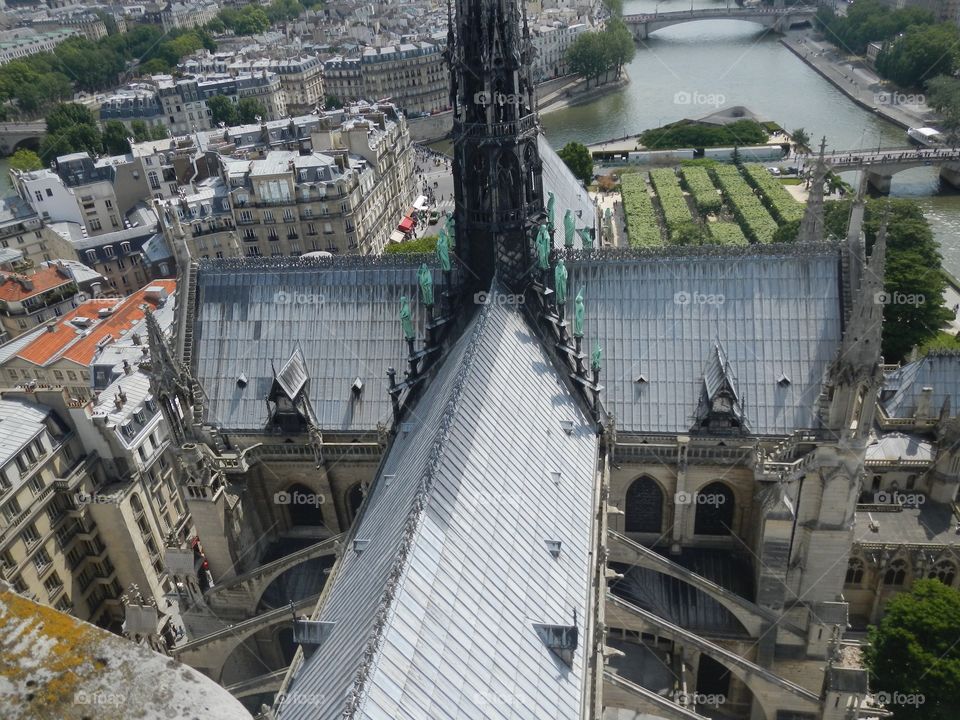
x,y
944,571
643,511
714,510
854,572
303,504
896,573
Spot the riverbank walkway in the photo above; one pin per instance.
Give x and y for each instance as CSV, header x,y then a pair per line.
x,y
860,84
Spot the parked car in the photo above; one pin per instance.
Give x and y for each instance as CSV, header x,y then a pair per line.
x,y
434,217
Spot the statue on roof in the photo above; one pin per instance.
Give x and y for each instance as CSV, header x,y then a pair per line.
x,y
426,284
406,318
568,226
543,248
560,282
578,315
443,250
551,204
451,229
587,237
596,357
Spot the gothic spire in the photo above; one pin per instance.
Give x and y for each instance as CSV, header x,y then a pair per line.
x,y
496,166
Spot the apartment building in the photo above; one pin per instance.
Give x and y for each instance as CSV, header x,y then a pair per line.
x,y
22,230
31,299
50,548
413,76
341,190
138,101
23,42
85,350
551,42
186,15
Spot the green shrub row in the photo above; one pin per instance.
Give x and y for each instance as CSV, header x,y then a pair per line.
x,y
753,217
779,202
642,226
672,202
697,182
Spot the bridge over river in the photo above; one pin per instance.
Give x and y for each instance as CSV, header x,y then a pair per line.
x,y
777,19
881,165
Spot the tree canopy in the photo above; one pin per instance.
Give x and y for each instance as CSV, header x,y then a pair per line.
x,y
914,653
594,54
690,134
25,159
922,53
867,21
914,270
577,157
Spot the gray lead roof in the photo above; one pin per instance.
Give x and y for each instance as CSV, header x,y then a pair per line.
x,y
434,618
343,316
661,316
939,371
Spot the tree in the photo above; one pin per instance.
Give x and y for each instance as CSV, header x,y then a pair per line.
x,y
577,157
619,44
71,127
688,233
116,138
159,132
25,160
913,279
787,232
914,653
223,110
615,7
588,56
943,95
249,109
922,53
140,130
801,140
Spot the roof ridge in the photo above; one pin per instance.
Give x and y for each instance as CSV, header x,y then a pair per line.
x,y
355,697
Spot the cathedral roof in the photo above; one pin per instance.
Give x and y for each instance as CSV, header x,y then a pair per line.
x,y
776,312
476,534
939,371
568,193
341,315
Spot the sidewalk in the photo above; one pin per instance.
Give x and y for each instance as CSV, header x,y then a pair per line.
x,y
859,83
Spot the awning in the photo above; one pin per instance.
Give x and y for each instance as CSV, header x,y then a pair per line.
x,y
420,203
406,224
397,237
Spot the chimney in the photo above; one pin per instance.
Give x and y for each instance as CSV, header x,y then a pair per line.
x,y
118,403
126,367
122,395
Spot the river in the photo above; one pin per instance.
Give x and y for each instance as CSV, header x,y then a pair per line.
x,y
688,71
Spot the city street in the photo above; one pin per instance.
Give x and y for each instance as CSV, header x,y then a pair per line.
x,y
433,177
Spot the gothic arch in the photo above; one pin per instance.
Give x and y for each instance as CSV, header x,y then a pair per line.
x,y
530,163
508,181
855,570
714,505
896,573
303,506
643,506
945,571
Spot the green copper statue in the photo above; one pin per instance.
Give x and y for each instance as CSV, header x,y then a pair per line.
x,y
551,204
443,250
578,315
587,238
451,223
560,282
568,225
596,358
406,318
543,248
426,284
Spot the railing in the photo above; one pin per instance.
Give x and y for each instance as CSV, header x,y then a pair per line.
x,y
524,124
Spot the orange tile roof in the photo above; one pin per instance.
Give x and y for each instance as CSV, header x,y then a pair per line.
x,y
44,279
67,343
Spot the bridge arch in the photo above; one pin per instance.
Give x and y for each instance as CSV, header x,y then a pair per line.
x,y
27,143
